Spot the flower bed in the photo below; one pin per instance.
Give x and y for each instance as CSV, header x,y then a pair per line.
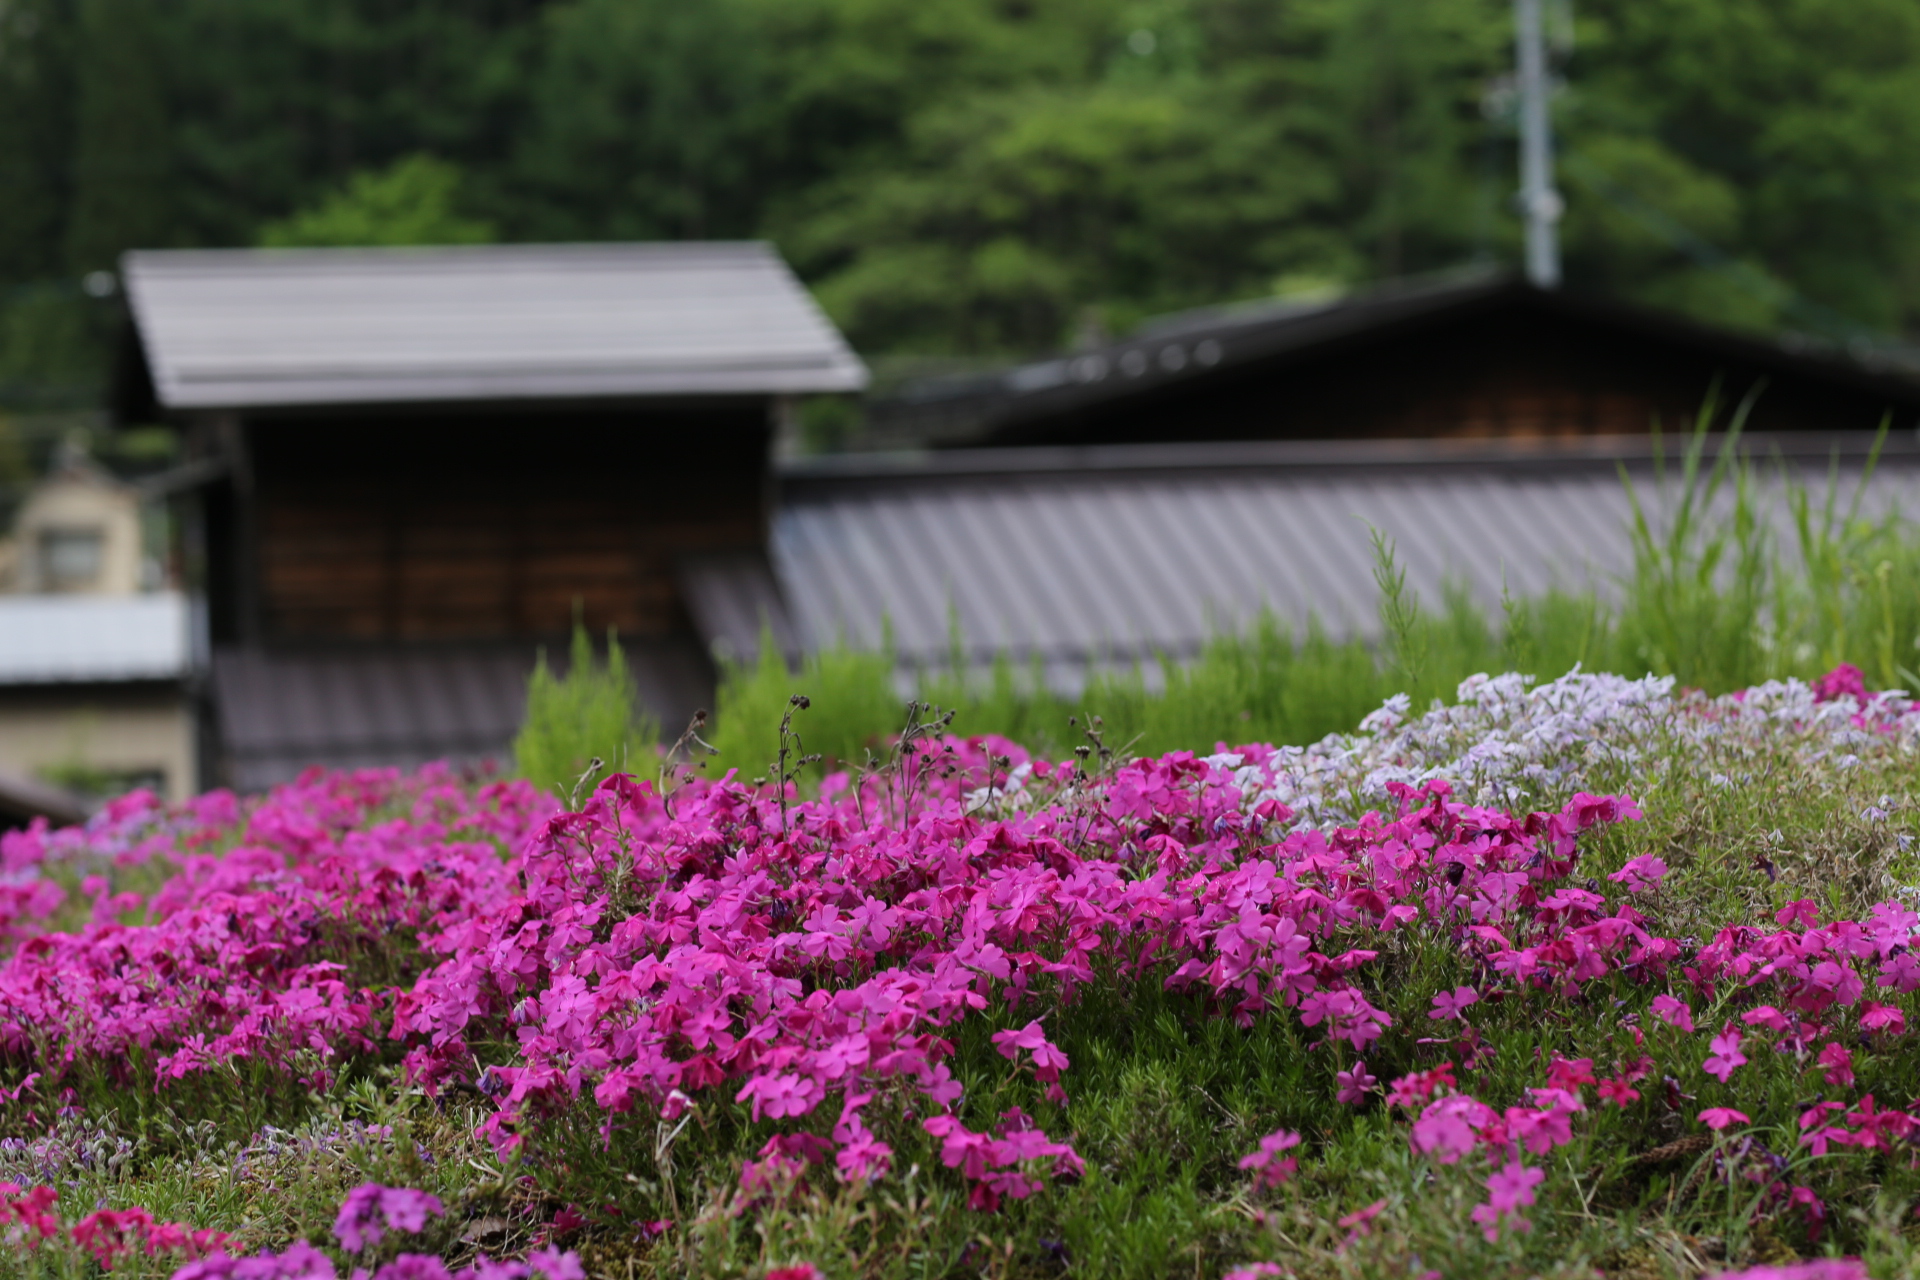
x,y
690,1007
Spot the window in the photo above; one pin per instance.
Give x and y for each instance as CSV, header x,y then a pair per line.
x,y
70,558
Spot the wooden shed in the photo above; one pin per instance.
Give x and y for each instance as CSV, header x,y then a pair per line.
x,y
412,466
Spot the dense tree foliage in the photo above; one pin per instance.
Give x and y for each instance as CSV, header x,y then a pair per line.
x,y
974,176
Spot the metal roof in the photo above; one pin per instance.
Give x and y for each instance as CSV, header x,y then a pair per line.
x,y
357,706
265,328
1104,556
93,639
734,599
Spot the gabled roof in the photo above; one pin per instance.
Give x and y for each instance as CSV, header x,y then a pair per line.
x,y
1192,351
276,328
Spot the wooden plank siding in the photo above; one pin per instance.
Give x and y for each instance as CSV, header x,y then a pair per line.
x,y
494,527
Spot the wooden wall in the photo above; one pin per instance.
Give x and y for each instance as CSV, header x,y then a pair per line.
x,y
485,526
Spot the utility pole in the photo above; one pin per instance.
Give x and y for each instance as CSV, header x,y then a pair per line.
x,y
1539,202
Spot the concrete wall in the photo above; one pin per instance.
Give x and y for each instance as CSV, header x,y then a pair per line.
x,y
120,731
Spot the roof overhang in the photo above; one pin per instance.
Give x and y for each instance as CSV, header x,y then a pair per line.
x,y
1195,348
280,329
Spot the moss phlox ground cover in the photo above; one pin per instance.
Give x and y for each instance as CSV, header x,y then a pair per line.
x,y
806,970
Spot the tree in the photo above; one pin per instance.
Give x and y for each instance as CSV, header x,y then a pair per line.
x,y
413,201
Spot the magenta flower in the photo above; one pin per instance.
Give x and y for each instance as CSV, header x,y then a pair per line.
x,y
1619,1091
1449,1127
1883,1017
1844,681
1360,1221
1268,1168
1718,1118
1675,1013
370,1209
1801,911
1048,1060
1836,1060
1353,1086
1818,1269
1508,1191
1641,874
1725,1055
1449,1005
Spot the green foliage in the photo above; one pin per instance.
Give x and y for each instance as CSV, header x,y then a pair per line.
x,y
412,201
854,707
978,175
585,723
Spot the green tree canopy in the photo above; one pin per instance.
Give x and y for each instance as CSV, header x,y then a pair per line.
x,y
412,201
987,176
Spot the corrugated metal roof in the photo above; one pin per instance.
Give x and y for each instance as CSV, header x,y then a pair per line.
x,y
1127,555
733,598
245,328
80,639
370,705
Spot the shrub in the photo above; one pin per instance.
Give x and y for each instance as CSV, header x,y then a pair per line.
x,y
591,714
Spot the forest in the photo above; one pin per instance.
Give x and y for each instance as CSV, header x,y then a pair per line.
x,y
969,179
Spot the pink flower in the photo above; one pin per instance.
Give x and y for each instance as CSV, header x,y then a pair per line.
x,y
1508,1191
370,1209
1048,1060
1766,1016
1844,681
1837,1062
1802,911
1641,874
1618,1091
1818,1269
1675,1013
1360,1221
1449,1127
1354,1085
109,1235
1451,1005
1718,1118
1883,1017
1568,1074
1725,1055
1540,1129
1419,1086
1268,1168
1254,1271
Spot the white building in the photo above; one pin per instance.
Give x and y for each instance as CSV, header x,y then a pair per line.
x,y
95,659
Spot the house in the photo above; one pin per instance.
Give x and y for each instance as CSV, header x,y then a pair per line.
x,y
96,665
78,533
409,469
1473,354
